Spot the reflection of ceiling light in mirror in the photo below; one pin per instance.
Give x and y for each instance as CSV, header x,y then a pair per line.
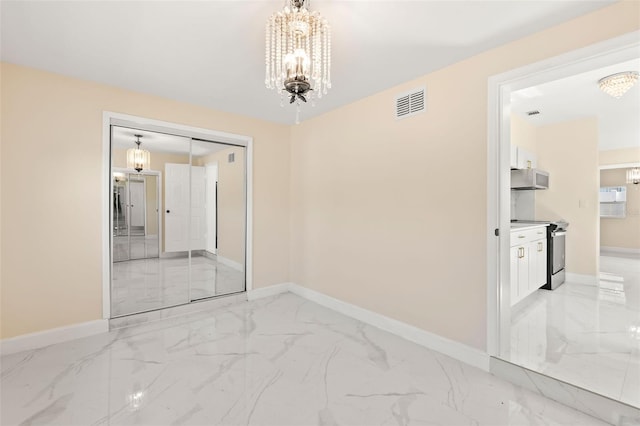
x,y
137,158
135,400
618,84
633,175
634,331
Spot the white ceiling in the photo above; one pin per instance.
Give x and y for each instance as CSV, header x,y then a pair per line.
x,y
578,97
211,53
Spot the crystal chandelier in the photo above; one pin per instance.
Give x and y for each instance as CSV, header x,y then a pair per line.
x,y
137,158
633,175
617,85
298,54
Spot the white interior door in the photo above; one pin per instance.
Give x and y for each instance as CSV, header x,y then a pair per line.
x,y
198,201
137,202
210,206
176,209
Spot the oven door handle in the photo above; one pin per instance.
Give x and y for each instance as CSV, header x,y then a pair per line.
x,y
559,234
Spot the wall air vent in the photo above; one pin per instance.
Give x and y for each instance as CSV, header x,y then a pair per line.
x,y
410,103
534,112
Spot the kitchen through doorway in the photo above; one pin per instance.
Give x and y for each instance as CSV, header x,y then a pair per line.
x,y
581,329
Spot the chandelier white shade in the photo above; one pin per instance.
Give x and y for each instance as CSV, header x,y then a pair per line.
x,y
137,158
618,84
298,53
633,175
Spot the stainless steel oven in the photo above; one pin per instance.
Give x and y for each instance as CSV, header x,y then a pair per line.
x,y
556,242
556,249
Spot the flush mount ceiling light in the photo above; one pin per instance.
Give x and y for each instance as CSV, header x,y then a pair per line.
x,y
617,85
137,158
298,54
633,175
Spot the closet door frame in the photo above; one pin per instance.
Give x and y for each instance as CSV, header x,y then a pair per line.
x,y
125,120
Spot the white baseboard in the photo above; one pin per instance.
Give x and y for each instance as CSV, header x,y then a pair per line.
x,y
55,335
614,250
581,279
230,263
457,350
269,291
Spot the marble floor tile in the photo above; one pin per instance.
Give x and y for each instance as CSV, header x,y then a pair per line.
x,y
135,247
586,335
276,361
146,284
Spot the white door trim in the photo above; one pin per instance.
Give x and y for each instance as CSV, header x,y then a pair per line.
x,y
618,49
113,118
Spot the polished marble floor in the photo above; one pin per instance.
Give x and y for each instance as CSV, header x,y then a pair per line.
x,y
586,335
135,247
277,361
147,284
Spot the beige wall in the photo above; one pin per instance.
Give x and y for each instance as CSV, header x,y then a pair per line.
x,y
619,156
231,223
390,215
523,134
621,233
569,152
56,122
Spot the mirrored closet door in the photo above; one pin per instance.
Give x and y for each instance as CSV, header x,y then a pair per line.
x,y
135,216
178,220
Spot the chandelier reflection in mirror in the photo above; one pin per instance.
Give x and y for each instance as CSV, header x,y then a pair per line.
x,y
137,158
298,54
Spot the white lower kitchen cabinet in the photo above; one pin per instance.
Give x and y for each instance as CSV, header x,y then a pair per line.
x,y
528,257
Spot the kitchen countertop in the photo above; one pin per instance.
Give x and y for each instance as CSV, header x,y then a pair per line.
x,y
525,226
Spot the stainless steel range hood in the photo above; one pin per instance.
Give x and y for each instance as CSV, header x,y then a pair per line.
x,y
522,179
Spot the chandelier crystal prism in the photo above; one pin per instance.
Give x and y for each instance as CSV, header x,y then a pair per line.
x,y
618,84
298,54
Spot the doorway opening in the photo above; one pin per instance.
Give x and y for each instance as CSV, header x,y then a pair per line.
x,y
577,331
